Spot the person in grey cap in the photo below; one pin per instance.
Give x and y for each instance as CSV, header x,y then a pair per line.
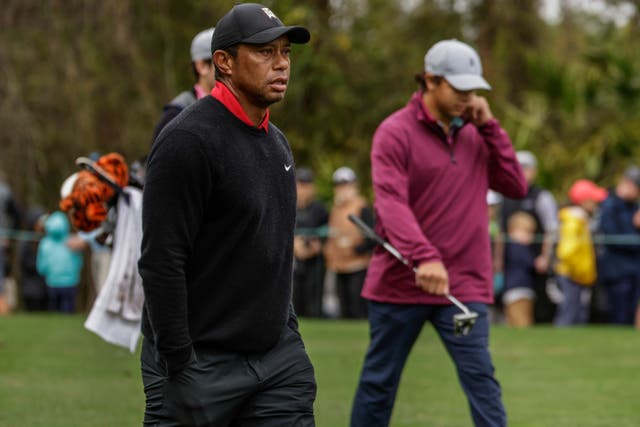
x,y
619,265
203,72
539,203
221,341
432,163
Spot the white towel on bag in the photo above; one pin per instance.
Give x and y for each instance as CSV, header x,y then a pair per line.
x,y
117,312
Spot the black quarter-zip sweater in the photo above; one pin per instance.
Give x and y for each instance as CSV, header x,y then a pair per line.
x,y
219,208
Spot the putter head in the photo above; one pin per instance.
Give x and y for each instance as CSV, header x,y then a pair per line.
x,y
463,323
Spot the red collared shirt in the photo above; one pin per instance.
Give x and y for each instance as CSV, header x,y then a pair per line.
x,y
222,93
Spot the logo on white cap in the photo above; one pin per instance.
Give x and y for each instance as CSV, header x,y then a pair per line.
x,y
269,13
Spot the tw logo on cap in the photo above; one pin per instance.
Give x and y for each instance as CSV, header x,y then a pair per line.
x,y
269,13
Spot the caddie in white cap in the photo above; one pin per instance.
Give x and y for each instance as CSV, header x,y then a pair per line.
x,y
201,45
432,163
204,78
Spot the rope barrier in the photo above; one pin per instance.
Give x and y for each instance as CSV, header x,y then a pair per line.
x,y
323,232
598,238
19,235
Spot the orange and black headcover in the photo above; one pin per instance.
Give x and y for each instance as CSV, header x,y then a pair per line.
x,y
87,203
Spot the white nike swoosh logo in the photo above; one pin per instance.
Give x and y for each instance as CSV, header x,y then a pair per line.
x,y
286,168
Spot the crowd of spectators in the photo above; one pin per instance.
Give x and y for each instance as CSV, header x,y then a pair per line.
x,y
570,265
330,243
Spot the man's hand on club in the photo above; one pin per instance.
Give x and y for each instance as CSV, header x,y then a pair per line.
x,y
432,277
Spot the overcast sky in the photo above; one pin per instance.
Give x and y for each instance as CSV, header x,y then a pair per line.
x,y
619,14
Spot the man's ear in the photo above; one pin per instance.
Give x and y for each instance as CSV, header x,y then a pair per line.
x,y
223,61
430,81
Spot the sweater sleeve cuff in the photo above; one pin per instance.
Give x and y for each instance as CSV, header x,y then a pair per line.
x,y
417,260
490,126
178,359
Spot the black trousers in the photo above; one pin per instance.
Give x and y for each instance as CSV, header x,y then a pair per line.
x,y
544,309
217,389
308,286
348,287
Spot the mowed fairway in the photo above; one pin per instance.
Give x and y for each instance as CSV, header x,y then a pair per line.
x,y
55,373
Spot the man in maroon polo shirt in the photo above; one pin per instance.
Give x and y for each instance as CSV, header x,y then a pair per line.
x,y
432,164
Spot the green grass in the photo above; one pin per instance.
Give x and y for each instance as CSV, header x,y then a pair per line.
x,y
55,373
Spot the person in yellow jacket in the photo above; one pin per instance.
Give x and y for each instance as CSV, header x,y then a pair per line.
x,y
575,253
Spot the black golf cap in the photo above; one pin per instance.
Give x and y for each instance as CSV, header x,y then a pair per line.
x,y
304,175
253,23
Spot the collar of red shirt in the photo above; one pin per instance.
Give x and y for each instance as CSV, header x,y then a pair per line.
x,y
222,93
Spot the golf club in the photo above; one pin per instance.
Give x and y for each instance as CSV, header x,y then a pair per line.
x,y
462,322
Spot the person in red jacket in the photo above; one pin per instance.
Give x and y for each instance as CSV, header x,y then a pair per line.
x,y
432,164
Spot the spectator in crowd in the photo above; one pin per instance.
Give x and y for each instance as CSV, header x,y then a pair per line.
x,y
620,262
494,206
347,252
204,75
540,204
60,265
494,203
10,216
519,270
33,286
576,259
100,258
308,267
432,163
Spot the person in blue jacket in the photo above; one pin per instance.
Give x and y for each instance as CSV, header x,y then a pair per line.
x,y
619,265
60,265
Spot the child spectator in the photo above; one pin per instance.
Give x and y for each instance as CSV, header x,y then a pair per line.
x,y
494,202
541,205
59,265
519,270
576,259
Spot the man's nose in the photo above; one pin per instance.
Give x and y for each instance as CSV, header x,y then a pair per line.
x,y
281,60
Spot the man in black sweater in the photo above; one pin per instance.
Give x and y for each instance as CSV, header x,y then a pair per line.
x,y
221,344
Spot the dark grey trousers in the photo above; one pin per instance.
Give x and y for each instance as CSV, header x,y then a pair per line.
x,y
219,389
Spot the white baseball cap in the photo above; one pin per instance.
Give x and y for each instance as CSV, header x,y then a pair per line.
x,y
67,185
344,175
201,45
493,198
527,159
458,63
